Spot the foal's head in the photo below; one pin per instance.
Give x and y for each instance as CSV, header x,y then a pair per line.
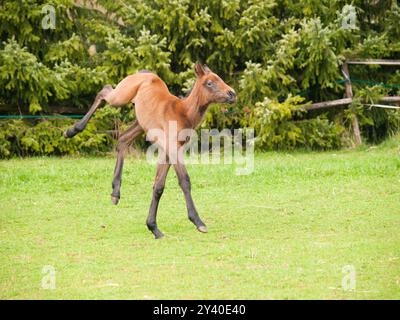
x,y
212,87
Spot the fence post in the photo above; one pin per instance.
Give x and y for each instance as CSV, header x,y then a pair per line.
x,y
349,94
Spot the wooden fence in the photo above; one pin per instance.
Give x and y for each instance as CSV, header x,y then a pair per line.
x,y
349,92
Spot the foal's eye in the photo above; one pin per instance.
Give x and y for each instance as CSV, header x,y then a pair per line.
x,y
209,83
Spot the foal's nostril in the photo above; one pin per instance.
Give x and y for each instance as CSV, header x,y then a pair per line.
x,y
231,94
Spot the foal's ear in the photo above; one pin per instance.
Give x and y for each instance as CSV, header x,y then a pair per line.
x,y
200,69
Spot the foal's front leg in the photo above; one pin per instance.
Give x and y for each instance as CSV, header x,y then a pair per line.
x,y
184,182
124,141
158,189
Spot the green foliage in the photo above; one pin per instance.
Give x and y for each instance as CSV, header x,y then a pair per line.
x,y
275,127
23,79
21,138
376,122
317,55
254,82
71,49
266,49
320,133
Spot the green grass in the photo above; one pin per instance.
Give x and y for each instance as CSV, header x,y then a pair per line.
x,y
283,232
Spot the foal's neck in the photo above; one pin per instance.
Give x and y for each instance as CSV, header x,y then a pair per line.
x,y
196,106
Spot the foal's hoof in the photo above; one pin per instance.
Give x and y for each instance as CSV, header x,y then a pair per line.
x,y
202,229
114,200
158,234
70,132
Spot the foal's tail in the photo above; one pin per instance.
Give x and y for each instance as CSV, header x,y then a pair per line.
x,y
123,93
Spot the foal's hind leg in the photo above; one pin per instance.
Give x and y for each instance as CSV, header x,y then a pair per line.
x,y
123,143
100,100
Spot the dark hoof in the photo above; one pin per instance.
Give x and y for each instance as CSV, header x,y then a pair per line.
x,y
114,199
202,229
158,234
70,132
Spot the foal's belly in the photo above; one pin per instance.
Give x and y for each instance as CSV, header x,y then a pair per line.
x,y
149,116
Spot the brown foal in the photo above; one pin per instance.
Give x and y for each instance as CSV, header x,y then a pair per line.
x,y
155,108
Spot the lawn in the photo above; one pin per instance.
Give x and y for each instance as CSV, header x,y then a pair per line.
x,y
284,232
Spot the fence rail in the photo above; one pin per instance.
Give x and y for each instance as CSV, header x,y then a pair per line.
x,y
347,101
375,61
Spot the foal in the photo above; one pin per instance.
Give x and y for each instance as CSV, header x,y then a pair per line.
x,y
155,107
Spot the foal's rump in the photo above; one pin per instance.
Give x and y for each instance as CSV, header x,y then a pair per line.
x,y
127,89
125,92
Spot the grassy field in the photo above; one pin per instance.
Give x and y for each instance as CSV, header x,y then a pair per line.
x,y
284,232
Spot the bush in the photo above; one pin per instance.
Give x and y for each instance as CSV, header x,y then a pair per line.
x,y
22,138
275,128
270,51
45,136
